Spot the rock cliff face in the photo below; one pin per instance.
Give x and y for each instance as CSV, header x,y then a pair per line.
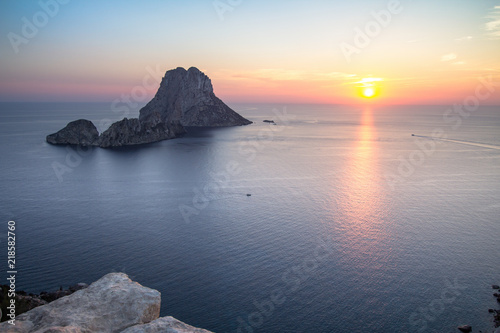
x,y
79,132
128,132
185,98
112,304
188,97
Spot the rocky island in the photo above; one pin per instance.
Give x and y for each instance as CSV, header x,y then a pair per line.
x,y
185,98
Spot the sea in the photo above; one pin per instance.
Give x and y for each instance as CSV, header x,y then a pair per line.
x,y
334,218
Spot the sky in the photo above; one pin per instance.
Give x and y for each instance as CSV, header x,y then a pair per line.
x,y
311,51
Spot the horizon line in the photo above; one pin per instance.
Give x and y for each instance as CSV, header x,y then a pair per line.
x,y
263,102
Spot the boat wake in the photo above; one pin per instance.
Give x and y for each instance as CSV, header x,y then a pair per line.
x,y
470,143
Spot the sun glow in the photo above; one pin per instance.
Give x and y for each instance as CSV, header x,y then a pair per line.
x,y
368,92
369,87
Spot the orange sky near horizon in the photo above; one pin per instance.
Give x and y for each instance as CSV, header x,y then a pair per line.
x,y
347,91
304,90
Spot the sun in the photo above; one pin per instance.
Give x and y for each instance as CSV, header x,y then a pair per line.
x,y
368,92
369,87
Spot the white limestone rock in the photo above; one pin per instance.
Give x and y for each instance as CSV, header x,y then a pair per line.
x,y
111,304
165,325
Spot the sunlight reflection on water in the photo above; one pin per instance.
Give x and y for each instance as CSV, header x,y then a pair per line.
x,y
362,202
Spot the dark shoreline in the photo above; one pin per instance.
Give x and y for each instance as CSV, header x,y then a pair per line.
x,y
28,301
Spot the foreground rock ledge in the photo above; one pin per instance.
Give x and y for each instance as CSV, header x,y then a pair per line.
x,y
114,303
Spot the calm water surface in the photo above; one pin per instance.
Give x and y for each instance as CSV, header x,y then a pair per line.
x,y
352,225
